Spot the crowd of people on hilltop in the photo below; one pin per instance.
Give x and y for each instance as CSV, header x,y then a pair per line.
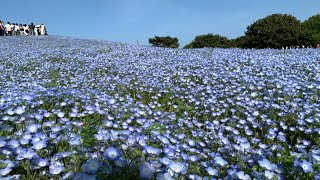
x,y
15,29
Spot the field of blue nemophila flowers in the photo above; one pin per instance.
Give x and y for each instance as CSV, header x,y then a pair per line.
x,y
86,109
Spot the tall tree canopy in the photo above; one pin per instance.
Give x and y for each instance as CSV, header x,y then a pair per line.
x,y
312,27
274,31
209,40
167,41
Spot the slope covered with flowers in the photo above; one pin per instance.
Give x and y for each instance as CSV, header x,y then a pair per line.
x,y
72,109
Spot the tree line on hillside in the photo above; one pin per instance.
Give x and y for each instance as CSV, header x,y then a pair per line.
x,y
273,31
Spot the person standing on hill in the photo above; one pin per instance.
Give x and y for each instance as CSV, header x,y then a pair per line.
x,y
8,29
37,30
26,29
43,29
12,29
31,29
21,29
15,29
1,28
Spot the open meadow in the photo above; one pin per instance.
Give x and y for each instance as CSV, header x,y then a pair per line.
x,y
85,109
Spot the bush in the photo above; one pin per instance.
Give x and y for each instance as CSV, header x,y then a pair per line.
x,y
168,42
209,40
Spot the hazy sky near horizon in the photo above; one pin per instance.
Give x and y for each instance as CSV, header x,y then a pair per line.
x,y
130,21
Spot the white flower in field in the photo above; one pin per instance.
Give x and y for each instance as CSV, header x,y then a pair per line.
x,y
20,110
112,101
6,118
263,146
254,94
60,114
306,166
10,112
191,142
256,113
62,104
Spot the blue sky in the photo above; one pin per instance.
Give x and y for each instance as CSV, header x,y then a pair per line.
x,y
130,21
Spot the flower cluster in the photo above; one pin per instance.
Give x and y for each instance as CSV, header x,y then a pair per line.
x,y
82,109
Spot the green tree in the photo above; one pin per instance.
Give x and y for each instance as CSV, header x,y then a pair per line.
x,y
275,31
312,28
209,40
239,42
167,41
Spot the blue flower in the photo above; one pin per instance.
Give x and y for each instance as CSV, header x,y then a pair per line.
x,y
84,176
178,167
164,176
306,166
13,143
212,172
39,145
121,162
41,162
152,150
19,110
112,153
164,160
220,161
112,101
56,169
91,166
269,174
2,143
60,114
33,128
146,170
243,176
193,158
29,154
8,167
265,163
5,171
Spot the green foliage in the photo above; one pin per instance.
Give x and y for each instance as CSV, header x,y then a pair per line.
x,y
275,31
312,28
239,42
168,42
209,40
